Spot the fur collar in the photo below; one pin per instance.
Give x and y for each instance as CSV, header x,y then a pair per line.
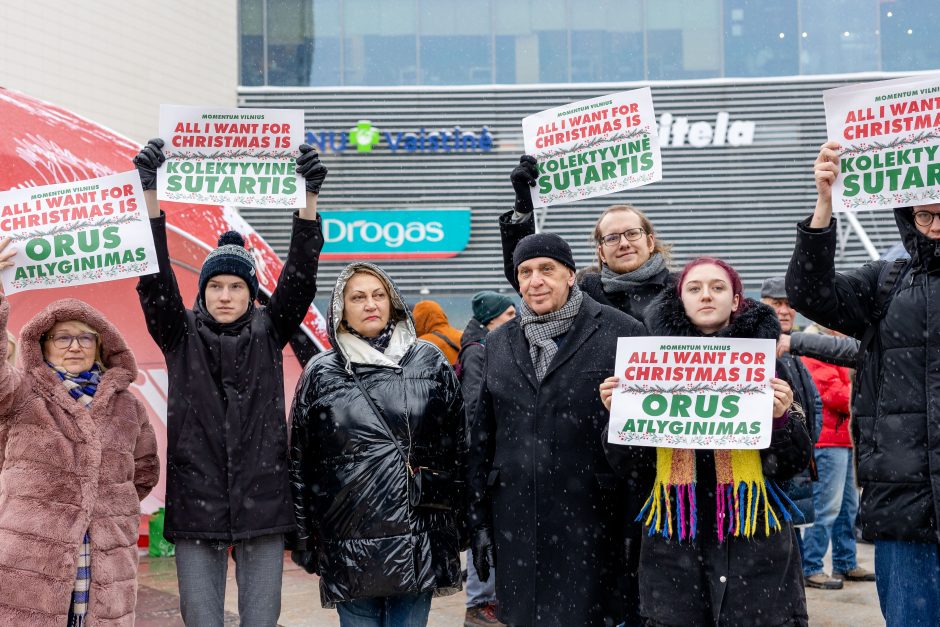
x,y
666,316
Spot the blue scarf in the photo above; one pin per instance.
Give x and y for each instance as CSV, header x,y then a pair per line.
x,y
81,386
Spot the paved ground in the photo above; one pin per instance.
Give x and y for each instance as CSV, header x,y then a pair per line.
x,y
158,603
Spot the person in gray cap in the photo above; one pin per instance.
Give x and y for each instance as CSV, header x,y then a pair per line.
x,y
490,311
546,510
800,488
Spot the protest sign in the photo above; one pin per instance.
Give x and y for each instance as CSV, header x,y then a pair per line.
x,y
594,147
77,233
890,135
701,393
242,157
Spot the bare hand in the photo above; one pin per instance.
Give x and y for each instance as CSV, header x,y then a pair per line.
x,y
6,254
607,390
783,396
783,345
826,169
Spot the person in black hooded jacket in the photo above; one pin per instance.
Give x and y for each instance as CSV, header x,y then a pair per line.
x,y
711,576
227,475
380,558
895,410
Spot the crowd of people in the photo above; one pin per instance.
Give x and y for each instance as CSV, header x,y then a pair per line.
x,y
410,441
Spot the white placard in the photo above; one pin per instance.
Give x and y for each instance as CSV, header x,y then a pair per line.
x,y
77,233
243,157
594,147
890,137
698,393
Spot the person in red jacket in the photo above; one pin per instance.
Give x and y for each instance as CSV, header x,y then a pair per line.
x,y
835,495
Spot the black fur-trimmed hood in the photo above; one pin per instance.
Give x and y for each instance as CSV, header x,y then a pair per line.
x,y
666,316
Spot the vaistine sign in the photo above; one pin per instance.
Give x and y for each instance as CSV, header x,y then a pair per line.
x,y
365,137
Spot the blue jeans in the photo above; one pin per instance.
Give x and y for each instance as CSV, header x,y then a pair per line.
x,y
835,499
908,581
201,567
407,610
479,592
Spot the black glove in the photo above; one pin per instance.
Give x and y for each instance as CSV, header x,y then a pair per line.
x,y
309,167
148,161
523,177
482,547
306,560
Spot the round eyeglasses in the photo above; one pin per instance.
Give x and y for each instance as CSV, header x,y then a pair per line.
x,y
925,218
613,239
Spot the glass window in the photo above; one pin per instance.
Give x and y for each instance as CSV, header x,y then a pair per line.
x,y
909,36
531,41
326,65
761,38
251,31
290,42
606,40
838,36
380,42
683,39
456,46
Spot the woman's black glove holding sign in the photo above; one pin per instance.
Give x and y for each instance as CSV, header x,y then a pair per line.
x,y
309,167
148,161
524,177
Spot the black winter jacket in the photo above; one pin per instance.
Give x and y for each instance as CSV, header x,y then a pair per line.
x,y
471,365
227,469
633,304
539,479
757,581
349,481
895,414
800,488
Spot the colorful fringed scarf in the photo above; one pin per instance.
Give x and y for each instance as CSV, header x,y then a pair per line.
x,y
743,496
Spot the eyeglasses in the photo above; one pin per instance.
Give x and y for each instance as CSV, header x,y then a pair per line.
x,y
85,340
613,239
925,218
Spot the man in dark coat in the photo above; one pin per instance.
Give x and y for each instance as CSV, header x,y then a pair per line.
x,y
895,413
227,471
546,509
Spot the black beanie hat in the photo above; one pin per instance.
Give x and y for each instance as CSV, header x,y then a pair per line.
x,y
230,257
543,245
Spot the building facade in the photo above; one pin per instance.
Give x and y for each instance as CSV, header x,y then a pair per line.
x,y
116,62
417,105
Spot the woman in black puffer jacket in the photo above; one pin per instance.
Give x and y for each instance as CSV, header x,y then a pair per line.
x,y
377,555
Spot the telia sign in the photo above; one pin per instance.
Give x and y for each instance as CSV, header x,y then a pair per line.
x,y
395,233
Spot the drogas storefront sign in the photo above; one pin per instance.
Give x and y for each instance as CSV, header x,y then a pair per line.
x,y
395,233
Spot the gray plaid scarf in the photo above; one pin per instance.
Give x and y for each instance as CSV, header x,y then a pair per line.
x,y
614,283
540,331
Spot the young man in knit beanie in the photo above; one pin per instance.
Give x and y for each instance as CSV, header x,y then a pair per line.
x,y
227,475
546,509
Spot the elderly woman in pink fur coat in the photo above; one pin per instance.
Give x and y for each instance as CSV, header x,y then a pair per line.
x,y
77,454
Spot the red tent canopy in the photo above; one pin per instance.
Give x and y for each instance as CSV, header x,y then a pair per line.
x,y
42,144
